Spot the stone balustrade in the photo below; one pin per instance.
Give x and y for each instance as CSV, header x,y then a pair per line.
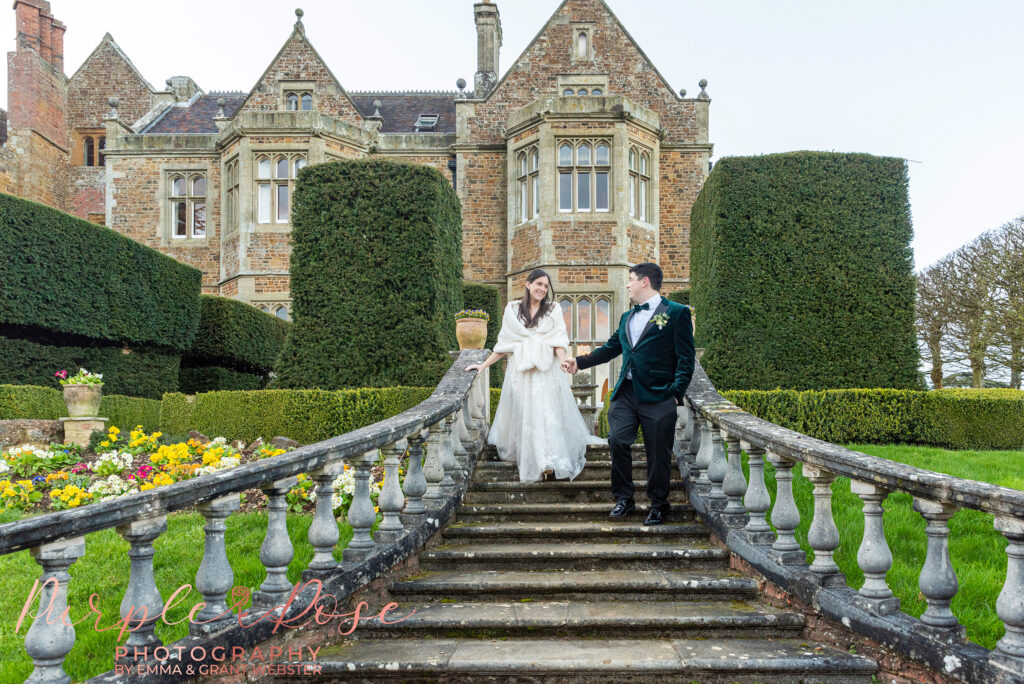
x,y
449,427
711,432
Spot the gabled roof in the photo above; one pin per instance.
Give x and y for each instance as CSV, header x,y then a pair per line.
x,y
197,117
109,40
550,21
401,109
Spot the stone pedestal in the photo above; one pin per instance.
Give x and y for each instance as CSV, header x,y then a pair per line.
x,y
78,430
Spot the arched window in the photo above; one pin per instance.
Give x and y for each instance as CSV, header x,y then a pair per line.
x,y
568,91
584,182
582,45
282,313
588,321
639,183
231,183
597,91
582,91
188,206
291,103
88,151
274,179
527,174
101,159
307,102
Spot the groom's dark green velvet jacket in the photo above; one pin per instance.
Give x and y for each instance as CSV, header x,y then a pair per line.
x,y
661,359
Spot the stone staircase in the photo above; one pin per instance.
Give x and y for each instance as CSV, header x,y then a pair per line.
x,y
535,583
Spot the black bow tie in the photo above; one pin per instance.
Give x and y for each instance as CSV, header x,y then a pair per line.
x,y
641,307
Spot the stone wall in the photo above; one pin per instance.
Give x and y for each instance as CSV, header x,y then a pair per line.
x,y
682,175
481,189
87,191
105,74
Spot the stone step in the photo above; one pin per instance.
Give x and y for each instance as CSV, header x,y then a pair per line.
x,y
566,511
667,619
594,470
588,585
681,554
594,451
710,661
579,491
529,531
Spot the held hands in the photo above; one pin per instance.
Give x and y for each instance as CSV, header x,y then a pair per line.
x,y
569,366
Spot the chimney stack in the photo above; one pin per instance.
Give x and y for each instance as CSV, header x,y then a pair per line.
x,y
488,46
39,31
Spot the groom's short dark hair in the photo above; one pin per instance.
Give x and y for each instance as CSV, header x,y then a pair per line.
x,y
650,271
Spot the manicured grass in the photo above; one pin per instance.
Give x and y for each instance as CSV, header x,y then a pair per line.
x,y
977,551
104,569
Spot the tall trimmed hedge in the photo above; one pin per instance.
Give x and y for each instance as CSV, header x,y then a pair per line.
x,y
376,276
76,294
304,415
950,420
487,298
802,272
236,346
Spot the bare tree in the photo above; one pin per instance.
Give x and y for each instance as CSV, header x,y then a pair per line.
x,y
973,285
1008,317
933,316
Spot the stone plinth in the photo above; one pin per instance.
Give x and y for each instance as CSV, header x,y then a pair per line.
x,y
77,430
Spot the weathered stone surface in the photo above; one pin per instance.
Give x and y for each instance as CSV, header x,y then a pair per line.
x,y
40,432
198,436
284,443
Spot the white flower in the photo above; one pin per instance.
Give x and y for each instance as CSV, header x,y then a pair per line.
x,y
3,467
110,488
112,462
223,464
221,441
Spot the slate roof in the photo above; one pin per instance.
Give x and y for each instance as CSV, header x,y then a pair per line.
x,y
400,110
197,117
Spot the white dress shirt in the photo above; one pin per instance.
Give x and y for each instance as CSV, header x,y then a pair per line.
x,y
638,321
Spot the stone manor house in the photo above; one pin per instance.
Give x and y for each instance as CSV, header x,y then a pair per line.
x,y
580,160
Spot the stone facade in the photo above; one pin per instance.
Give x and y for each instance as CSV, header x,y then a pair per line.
x,y
207,177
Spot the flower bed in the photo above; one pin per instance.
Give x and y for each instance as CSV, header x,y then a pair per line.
x,y
37,480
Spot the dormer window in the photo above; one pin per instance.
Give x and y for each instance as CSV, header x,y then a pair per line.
x,y
295,101
426,122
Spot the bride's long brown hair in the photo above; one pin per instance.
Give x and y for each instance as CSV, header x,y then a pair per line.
x,y
545,306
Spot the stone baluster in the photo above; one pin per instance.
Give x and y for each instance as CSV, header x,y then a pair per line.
x,y
50,638
757,500
937,581
415,487
215,577
451,466
873,556
785,515
734,485
717,468
323,531
433,467
142,596
276,552
361,515
391,500
460,455
693,443
702,460
468,432
823,536
681,438
476,401
1009,651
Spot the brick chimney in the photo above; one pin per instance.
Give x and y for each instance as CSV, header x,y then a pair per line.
x,y
39,31
488,46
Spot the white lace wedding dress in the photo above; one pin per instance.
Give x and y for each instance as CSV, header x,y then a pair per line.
x,y
537,423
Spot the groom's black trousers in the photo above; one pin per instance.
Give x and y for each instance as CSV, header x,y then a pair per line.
x,y
658,421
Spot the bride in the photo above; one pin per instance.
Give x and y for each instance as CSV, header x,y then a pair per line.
x,y
537,423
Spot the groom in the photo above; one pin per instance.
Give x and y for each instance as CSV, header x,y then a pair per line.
x,y
655,339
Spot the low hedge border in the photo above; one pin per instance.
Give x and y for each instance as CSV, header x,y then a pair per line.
x,y
18,402
306,416
951,419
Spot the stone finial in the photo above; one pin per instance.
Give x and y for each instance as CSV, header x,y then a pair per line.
x,y
682,93
461,85
298,20
376,109
113,102
703,94
220,107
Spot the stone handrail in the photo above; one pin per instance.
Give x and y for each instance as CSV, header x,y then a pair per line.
x,y
449,427
711,433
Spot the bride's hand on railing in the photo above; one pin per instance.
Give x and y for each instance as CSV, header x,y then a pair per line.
x,y
474,367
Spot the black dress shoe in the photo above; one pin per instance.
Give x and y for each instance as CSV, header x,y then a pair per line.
x,y
656,517
623,507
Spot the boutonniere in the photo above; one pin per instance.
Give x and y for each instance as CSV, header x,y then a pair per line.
x,y
661,320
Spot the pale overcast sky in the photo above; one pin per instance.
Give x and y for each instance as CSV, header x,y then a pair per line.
x,y
939,82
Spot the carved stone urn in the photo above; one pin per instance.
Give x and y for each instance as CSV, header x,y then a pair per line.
x,y
471,333
83,401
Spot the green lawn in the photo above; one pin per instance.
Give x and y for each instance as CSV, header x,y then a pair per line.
x,y
104,570
977,551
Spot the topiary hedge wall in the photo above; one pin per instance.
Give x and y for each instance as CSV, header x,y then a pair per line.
x,y
76,294
802,272
376,276
487,298
236,346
